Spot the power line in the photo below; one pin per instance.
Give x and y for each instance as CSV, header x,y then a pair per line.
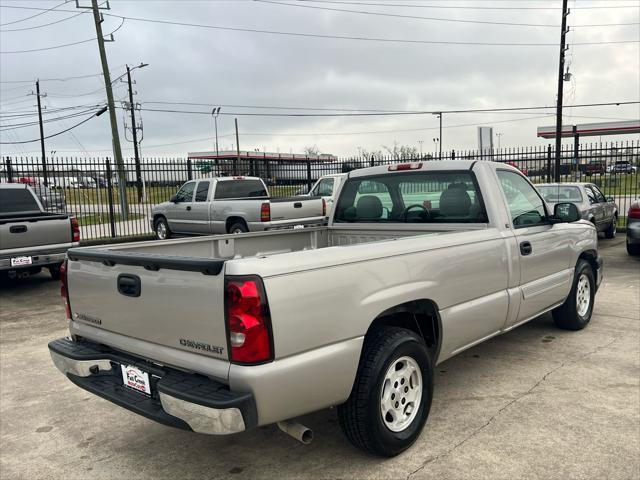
x,y
374,114
339,37
459,7
13,126
437,19
58,133
64,79
5,30
32,16
63,45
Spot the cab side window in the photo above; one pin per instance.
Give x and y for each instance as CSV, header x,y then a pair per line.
x,y
202,192
185,194
591,196
599,195
525,204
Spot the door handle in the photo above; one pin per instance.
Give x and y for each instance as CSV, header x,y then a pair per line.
x,y
18,229
297,205
189,208
526,248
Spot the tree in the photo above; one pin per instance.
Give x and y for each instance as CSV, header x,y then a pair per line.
x,y
402,152
313,151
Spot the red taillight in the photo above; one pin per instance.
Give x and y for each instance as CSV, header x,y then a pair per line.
x,y
248,322
324,208
405,166
634,212
75,229
265,212
64,289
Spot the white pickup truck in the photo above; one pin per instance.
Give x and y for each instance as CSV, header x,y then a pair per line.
x,y
419,262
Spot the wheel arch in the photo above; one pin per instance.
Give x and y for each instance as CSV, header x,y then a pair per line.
x,y
158,216
591,257
233,219
420,316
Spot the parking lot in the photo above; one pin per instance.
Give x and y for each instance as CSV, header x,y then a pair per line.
x,y
537,402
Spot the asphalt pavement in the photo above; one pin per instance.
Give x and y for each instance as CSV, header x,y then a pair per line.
x,y
537,403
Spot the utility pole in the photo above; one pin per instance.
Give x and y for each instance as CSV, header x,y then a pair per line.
x,y
440,135
214,113
44,157
117,151
563,49
237,145
134,131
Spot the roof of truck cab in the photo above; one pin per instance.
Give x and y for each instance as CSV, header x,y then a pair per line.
x,y
222,179
14,185
428,166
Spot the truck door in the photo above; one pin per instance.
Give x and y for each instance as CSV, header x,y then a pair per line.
x,y
605,208
325,188
178,214
199,218
544,250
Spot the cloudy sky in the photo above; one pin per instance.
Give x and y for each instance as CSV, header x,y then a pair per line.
x,y
242,70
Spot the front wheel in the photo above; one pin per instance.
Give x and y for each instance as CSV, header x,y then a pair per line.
x,y
161,229
391,396
575,313
611,230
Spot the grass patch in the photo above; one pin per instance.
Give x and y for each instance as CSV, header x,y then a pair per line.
x,y
100,218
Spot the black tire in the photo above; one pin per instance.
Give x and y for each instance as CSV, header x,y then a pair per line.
x,y
238,227
54,271
360,416
161,229
633,248
610,232
567,316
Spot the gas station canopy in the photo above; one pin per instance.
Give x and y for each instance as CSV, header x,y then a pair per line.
x,y
592,129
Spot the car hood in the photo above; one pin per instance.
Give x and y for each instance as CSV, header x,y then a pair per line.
x,y
161,207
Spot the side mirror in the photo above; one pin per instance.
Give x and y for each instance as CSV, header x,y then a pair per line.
x,y
173,199
566,212
611,199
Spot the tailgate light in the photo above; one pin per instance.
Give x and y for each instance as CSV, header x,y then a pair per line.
x,y
634,212
265,212
248,320
64,288
75,229
405,166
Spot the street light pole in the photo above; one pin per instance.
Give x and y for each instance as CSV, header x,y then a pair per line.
x,y
498,135
420,142
214,113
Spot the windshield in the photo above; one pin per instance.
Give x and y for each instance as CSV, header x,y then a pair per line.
x,y
560,193
412,197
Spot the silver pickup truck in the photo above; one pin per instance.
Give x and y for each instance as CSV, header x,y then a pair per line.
x,y
231,205
30,237
419,262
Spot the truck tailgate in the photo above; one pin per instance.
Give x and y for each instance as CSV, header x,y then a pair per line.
x,y
33,231
175,302
296,208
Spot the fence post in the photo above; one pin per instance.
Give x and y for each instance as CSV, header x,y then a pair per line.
x,y
9,171
372,163
112,220
453,154
235,166
576,148
189,170
308,175
549,163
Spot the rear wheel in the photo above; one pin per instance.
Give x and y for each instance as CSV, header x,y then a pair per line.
x,y
611,230
575,313
633,248
161,229
391,396
238,227
54,271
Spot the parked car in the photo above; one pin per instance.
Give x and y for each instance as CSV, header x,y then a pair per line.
x,y
327,187
594,168
87,182
593,205
231,205
31,238
31,181
633,228
51,199
623,167
420,261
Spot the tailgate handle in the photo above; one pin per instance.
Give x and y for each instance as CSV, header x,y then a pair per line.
x,y
18,229
297,205
129,285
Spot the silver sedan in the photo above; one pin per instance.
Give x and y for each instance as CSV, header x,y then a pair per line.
x,y
593,205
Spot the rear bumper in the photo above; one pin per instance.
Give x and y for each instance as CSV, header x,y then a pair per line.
x,y
39,260
633,231
178,399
